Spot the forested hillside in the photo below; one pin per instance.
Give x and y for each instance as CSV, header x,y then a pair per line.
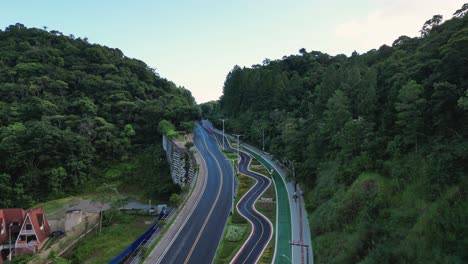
x,y
378,141
69,108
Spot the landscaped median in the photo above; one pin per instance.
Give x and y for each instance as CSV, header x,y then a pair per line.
x,y
237,229
266,205
283,227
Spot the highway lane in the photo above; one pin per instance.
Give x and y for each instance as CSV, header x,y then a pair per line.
x,y
262,229
199,238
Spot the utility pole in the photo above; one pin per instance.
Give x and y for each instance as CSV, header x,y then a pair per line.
x,y
294,179
238,144
291,163
223,130
233,186
9,231
263,139
295,183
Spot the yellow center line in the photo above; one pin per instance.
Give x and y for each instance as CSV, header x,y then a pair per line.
x,y
212,207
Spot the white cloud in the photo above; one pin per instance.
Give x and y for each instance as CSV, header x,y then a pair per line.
x,y
389,21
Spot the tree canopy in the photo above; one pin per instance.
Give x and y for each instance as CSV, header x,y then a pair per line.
x,y
68,107
378,142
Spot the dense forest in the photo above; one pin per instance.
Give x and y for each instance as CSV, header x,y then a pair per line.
x,y
378,142
69,109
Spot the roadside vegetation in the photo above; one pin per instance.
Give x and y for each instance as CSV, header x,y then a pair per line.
x,y
73,115
237,229
268,209
76,118
116,235
378,141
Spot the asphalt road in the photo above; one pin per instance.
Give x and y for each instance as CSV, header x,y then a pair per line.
x,y
262,228
199,238
297,228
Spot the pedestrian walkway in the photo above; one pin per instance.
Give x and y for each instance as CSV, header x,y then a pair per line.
x,y
299,243
298,232
283,227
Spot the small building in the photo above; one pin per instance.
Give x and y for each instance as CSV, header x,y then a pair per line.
x,y
72,219
28,230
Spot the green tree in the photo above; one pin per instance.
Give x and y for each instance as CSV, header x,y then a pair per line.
x,y
444,107
430,24
175,199
106,195
336,114
56,178
462,11
410,108
463,101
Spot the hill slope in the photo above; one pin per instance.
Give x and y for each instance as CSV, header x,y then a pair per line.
x,y
378,141
68,107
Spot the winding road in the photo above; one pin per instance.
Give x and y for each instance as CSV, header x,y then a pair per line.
x,y
198,239
262,228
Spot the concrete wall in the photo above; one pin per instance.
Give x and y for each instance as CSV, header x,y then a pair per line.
x,y
56,225
67,223
179,159
72,219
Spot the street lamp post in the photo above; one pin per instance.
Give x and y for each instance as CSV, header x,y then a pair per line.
x,y
233,185
263,139
295,183
223,130
238,144
9,231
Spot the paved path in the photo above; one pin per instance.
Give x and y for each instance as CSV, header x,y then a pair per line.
x,y
185,212
295,230
299,221
262,228
282,253
197,231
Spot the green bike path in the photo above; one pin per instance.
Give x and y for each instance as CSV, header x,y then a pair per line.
x,y
283,227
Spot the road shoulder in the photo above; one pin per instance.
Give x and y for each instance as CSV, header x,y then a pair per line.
x,y
184,213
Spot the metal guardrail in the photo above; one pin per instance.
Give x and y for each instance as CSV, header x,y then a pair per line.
x,y
134,250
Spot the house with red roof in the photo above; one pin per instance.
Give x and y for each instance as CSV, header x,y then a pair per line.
x,y
27,229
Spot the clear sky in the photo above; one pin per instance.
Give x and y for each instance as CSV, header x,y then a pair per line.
x,y
196,43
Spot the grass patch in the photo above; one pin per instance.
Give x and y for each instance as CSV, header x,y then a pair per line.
x,y
113,239
237,229
116,171
49,242
260,169
56,209
257,167
255,162
234,237
244,184
230,155
165,227
235,232
267,256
